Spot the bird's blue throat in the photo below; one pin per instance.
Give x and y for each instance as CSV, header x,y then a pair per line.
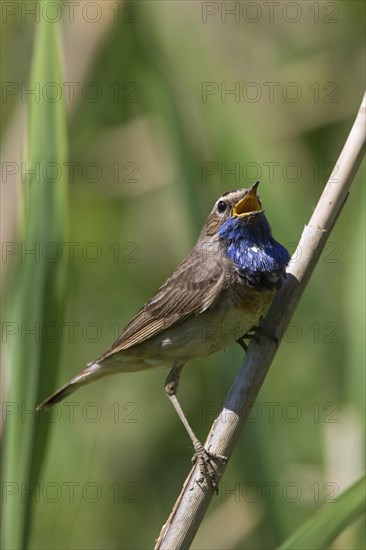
x,y
259,259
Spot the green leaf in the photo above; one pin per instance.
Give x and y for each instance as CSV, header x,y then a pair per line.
x,y
329,521
37,309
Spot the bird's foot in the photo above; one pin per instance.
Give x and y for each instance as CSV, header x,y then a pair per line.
x,y
255,334
205,461
252,334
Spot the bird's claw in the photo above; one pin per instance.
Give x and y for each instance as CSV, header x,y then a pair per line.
x,y
252,334
255,334
205,461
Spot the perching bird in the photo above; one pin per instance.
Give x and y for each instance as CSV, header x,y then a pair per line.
x,y
214,298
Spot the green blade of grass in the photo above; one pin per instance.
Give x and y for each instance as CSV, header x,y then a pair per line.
x,y
37,308
329,521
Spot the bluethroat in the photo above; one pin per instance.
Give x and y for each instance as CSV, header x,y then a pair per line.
x,y
214,298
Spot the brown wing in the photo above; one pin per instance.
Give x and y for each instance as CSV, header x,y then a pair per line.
x,y
192,288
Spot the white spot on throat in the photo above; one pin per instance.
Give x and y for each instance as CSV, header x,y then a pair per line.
x,y
254,248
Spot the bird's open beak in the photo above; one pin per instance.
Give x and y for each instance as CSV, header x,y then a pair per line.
x,y
249,204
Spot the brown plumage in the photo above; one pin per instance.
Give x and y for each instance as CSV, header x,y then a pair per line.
x,y
207,303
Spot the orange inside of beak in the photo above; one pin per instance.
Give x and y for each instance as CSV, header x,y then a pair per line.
x,y
248,204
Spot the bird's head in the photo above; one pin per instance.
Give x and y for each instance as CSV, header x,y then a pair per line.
x,y
241,206
238,226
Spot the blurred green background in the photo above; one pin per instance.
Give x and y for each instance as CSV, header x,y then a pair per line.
x,y
169,105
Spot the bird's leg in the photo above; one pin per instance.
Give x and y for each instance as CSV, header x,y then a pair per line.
x,y
204,457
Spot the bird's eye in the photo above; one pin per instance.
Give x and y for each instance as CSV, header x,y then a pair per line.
x,y
221,206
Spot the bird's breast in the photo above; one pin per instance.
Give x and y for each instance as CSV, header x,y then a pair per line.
x,y
250,301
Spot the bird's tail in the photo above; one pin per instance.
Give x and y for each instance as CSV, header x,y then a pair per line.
x,y
92,372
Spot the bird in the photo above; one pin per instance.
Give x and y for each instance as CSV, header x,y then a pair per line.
x,y
214,298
